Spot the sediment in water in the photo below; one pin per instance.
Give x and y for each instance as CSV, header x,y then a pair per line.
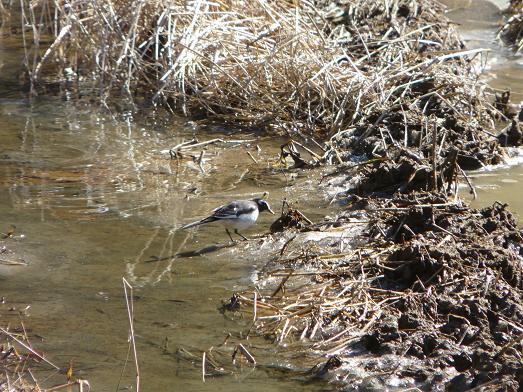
x,y
429,290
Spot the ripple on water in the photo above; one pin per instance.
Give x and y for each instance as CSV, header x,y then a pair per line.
x,y
98,202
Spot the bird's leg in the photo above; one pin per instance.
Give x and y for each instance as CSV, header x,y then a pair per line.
x,y
230,236
241,235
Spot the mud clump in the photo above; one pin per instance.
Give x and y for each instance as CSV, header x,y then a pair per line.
x,y
432,292
290,218
418,138
512,136
511,33
427,160
467,267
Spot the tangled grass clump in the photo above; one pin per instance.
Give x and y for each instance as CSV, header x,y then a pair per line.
x,y
313,66
511,33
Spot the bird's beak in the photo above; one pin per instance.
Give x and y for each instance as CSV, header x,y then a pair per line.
x,y
271,211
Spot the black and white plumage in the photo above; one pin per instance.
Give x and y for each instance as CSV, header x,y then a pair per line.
x,y
237,215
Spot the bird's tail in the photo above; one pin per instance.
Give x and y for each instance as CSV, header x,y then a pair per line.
x,y
200,222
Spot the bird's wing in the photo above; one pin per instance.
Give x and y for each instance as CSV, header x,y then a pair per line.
x,y
232,210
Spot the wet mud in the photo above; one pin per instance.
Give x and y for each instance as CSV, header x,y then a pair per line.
x,y
467,263
423,288
511,33
429,293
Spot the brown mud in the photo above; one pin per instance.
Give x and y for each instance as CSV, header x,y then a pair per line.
x,y
511,33
409,284
467,264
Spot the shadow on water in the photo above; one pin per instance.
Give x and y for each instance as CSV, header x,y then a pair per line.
x,y
94,196
191,253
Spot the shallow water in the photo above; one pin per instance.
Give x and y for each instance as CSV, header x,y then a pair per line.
x,y
96,200
478,22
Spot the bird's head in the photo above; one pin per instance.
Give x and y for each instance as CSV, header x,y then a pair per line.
x,y
263,205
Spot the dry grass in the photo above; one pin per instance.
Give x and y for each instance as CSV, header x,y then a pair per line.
x,y
412,288
511,33
19,361
307,66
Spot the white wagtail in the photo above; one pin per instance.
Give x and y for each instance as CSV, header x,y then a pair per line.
x,y
237,215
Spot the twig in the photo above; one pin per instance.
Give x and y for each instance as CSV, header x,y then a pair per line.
x,y
282,251
510,344
200,161
434,149
282,284
130,314
253,159
203,366
469,183
247,354
33,352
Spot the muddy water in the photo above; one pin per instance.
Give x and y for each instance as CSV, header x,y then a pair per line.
x,y
94,199
478,21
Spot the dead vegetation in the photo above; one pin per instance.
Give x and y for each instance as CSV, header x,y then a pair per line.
x,y
430,280
433,283
371,77
21,362
318,67
15,375
511,33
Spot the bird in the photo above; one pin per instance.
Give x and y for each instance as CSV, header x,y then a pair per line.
x,y
237,215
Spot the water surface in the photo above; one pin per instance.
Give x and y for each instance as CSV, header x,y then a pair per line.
x,y
96,199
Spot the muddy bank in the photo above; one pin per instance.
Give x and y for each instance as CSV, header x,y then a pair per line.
x,y
428,293
409,282
511,33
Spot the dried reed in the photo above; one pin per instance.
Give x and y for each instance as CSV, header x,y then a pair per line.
x,y
18,359
299,66
511,33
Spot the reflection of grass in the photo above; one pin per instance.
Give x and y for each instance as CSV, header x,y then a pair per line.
x,y
4,14
138,272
